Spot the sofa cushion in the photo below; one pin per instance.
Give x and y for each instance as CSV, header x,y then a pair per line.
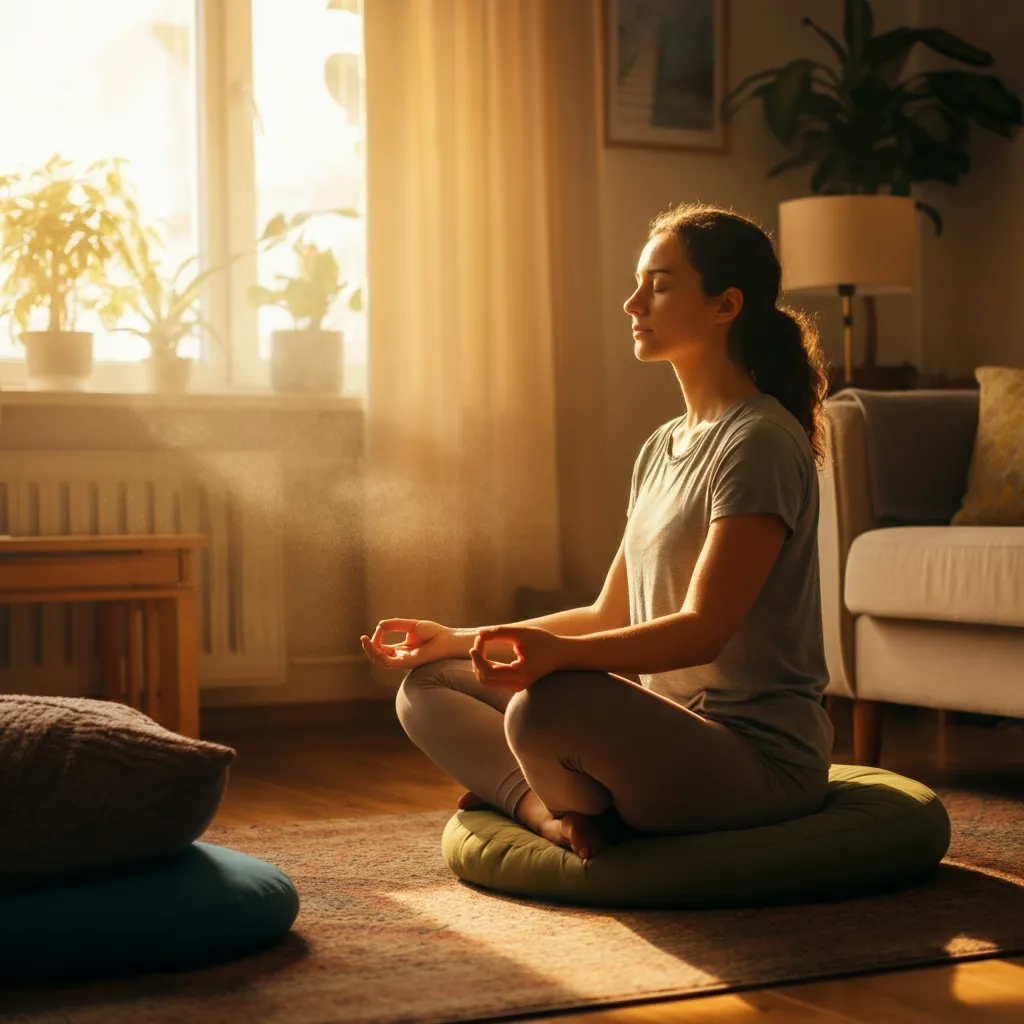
x,y
944,573
995,479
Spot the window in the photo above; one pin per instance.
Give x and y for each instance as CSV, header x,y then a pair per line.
x,y
228,111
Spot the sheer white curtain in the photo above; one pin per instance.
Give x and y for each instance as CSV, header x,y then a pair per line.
x,y
465,242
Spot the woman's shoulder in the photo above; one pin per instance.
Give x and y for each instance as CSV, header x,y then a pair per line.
x,y
769,421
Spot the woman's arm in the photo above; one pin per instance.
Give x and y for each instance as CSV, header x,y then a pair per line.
x,y
660,645
569,623
738,554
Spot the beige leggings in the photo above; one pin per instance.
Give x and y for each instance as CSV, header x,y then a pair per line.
x,y
585,740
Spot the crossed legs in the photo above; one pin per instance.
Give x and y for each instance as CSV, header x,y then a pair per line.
x,y
593,746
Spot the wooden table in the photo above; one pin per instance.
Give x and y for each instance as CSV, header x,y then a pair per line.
x,y
145,588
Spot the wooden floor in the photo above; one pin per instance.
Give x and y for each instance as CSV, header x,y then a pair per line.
x,y
357,760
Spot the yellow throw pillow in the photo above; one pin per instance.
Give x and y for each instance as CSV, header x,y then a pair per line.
x,y
995,479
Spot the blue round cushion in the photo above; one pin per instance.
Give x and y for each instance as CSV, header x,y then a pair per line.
x,y
204,905
876,831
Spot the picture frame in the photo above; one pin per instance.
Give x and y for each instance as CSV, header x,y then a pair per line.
x,y
665,73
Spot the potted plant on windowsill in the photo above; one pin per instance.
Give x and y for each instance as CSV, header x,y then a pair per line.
x,y
59,234
308,358
869,130
167,306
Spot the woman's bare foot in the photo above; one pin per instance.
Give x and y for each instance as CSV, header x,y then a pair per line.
x,y
532,812
470,802
589,834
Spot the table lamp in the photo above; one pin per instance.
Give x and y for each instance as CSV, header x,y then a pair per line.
x,y
865,244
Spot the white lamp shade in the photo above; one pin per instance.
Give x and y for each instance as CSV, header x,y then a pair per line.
x,y
866,241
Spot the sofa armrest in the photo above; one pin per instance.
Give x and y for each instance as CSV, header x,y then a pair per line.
x,y
893,458
919,446
844,513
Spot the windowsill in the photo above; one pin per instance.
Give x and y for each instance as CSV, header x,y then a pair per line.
x,y
229,400
125,385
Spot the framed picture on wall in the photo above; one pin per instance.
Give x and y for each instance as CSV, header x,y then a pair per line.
x,y
665,73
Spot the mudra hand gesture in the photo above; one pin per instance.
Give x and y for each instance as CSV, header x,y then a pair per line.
x,y
538,653
424,641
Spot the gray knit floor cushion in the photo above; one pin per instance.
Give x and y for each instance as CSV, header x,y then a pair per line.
x,y
89,786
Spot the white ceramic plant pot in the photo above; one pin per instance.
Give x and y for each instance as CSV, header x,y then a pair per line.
x,y
61,360
168,373
306,362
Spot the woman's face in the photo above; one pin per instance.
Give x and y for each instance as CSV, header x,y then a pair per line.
x,y
669,309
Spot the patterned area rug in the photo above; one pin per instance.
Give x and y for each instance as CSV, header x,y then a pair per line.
x,y
387,934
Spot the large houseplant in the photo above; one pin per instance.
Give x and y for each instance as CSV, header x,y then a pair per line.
x,y
866,126
307,358
60,231
167,305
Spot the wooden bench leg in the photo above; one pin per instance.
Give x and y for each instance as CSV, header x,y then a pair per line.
x,y
133,621
151,614
179,664
867,732
112,650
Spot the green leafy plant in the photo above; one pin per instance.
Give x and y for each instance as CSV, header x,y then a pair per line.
x,y
60,234
168,305
309,295
865,127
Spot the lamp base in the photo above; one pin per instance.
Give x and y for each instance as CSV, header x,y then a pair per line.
x,y
846,294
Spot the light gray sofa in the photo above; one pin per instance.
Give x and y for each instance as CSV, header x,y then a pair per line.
x,y
915,611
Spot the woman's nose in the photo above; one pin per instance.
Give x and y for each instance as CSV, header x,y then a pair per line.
x,y
632,305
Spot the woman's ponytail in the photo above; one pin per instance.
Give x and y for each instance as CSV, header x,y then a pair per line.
x,y
782,351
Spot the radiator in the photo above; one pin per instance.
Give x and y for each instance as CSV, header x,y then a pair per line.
x,y
233,498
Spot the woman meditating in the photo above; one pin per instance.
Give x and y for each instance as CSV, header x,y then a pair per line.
x,y
712,600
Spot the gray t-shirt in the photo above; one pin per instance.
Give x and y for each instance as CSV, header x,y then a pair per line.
x,y
767,682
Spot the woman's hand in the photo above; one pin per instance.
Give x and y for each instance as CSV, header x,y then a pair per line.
x,y
424,641
538,654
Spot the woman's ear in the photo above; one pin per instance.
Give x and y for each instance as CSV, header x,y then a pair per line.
x,y
730,302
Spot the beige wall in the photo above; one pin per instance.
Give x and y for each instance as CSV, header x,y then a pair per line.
x,y
972,312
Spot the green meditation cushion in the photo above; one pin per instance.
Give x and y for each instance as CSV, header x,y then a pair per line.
x,y
876,831
200,906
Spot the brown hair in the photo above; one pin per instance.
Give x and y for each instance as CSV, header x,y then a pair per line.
x,y
777,345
